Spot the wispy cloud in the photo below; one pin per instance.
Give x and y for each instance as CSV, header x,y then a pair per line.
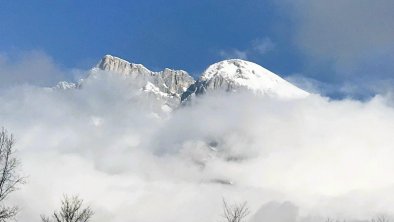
x,y
233,54
262,46
33,67
259,46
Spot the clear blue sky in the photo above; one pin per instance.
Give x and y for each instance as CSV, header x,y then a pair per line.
x,y
335,45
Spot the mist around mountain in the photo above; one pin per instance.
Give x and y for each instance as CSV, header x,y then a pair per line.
x,y
136,148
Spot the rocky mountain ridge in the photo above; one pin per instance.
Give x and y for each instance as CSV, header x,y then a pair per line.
x,y
171,82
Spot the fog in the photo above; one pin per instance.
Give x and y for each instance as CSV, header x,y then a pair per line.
x,y
112,144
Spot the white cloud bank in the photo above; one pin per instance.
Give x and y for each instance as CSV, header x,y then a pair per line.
x,y
299,160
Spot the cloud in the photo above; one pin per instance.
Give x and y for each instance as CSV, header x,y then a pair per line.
x,y
276,212
347,44
33,67
113,145
259,46
343,30
263,45
361,89
233,54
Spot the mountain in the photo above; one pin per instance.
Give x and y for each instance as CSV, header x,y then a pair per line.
x,y
177,86
172,83
235,75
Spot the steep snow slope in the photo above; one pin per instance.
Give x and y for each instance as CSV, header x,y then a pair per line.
x,y
236,74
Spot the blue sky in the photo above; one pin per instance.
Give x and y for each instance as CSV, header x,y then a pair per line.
x,y
339,47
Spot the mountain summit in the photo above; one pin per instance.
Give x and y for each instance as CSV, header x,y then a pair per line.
x,y
235,74
170,82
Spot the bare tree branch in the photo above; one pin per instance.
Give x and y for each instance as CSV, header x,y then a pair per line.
x,y
70,211
236,212
9,177
380,218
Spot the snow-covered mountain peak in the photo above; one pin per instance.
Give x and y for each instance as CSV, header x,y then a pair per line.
x,y
236,74
232,69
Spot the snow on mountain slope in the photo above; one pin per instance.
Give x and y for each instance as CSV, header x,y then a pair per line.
x,y
63,85
235,74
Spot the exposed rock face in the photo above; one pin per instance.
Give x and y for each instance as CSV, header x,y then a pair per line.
x,y
114,64
235,75
171,82
176,81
